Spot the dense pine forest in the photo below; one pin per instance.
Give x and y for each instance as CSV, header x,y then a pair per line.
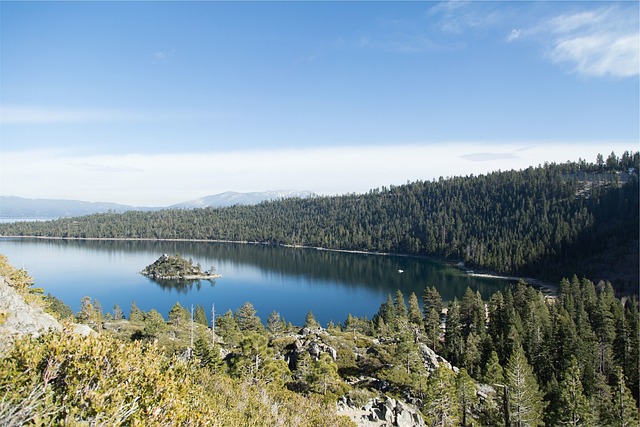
x,y
549,221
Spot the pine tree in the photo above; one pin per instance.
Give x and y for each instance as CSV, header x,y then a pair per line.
x,y
454,345
135,314
400,305
415,315
472,314
200,316
442,407
525,400
178,314
208,355
388,312
310,321
323,377
493,373
625,410
117,312
247,319
467,394
573,406
274,323
251,357
227,328
431,299
154,324
85,314
632,366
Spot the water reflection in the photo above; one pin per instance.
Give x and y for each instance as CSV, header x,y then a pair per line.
x,y
289,280
181,285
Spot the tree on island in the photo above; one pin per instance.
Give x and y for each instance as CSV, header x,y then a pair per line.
x,y
175,267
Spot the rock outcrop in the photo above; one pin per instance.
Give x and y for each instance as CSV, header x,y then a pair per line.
x,y
308,341
432,361
382,412
19,318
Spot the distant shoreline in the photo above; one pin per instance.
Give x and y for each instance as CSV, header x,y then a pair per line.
x,y
545,287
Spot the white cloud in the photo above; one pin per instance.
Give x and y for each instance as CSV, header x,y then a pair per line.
x,y
597,43
162,56
164,179
513,35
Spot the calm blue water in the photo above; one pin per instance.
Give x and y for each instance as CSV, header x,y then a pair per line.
x,y
290,281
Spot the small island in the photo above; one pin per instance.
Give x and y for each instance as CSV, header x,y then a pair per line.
x,y
176,267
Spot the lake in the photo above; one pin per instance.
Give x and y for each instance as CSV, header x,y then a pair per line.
x,y
291,281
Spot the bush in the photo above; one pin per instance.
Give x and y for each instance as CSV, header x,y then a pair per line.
x,y
65,379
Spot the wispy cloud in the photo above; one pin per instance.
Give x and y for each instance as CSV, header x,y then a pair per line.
x,y
162,56
513,35
457,16
601,42
592,41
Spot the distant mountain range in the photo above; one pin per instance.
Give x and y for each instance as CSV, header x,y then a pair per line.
x,y
231,198
20,208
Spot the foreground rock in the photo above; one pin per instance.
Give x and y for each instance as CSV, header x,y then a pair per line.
x,y
19,318
381,412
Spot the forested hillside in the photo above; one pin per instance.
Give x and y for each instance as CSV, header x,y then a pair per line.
x,y
549,221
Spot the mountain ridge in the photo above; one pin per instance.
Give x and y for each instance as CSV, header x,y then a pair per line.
x,y
15,207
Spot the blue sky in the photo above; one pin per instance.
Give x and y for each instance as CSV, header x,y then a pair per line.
x,y
153,103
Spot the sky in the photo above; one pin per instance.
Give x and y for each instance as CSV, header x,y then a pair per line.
x,y
155,103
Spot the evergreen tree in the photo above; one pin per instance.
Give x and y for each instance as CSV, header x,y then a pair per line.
x,y
387,312
246,318
200,316
154,324
323,376
432,329
632,347
604,328
400,307
135,314
227,328
525,400
206,353
117,312
573,406
454,345
431,299
178,315
85,315
274,323
601,401
472,314
625,409
493,372
58,308
467,394
415,315
442,407
251,357
310,321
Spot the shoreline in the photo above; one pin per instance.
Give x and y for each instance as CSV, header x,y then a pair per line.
x,y
548,289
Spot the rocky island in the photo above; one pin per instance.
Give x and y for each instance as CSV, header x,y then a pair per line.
x,y
176,267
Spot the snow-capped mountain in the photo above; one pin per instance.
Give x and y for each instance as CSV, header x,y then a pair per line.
x,y
231,198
